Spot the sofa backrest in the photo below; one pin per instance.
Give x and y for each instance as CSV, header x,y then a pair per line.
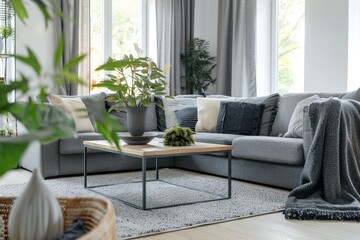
x,y
287,106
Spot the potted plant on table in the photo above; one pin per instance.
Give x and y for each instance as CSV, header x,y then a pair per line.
x,y
134,81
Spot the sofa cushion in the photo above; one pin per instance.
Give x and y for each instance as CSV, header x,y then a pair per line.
x,y
75,145
208,111
160,113
172,105
286,108
269,113
239,118
354,95
269,149
295,129
187,117
217,138
74,108
95,105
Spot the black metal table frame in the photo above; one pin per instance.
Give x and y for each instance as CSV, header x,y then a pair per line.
x,y
144,180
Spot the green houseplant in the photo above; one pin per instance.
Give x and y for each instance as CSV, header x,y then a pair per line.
x,y
179,136
43,123
134,81
199,66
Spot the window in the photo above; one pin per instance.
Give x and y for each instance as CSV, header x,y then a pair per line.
x,y
115,27
290,39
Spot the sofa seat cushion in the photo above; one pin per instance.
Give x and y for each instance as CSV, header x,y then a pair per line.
x,y
269,149
217,138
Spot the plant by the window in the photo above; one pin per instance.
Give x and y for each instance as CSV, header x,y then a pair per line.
x,y
6,31
179,136
7,131
199,66
133,80
44,123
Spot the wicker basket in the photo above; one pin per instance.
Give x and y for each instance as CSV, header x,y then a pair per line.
x,y
97,214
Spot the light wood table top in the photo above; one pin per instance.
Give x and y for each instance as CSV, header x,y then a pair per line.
x,y
156,148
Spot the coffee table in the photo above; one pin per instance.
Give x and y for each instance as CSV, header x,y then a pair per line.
x,y
156,149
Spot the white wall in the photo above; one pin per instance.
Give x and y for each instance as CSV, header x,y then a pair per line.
x,y
326,45
354,46
34,35
205,27
263,47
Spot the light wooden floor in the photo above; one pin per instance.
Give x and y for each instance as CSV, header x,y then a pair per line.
x,y
269,227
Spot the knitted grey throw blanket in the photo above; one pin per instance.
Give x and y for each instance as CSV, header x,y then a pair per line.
x,y
330,181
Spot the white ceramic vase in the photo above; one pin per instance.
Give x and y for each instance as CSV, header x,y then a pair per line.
x,y
36,214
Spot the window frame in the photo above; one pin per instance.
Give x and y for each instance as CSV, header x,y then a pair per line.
x,y
274,63
274,60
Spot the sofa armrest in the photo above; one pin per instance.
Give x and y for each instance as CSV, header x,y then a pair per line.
x,y
44,157
50,165
307,137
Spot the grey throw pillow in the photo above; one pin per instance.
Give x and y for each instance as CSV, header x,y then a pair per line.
x,y
270,110
187,117
95,106
239,118
295,128
160,113
354,95
171,105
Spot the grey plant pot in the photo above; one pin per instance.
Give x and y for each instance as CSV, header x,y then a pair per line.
x,y
136,119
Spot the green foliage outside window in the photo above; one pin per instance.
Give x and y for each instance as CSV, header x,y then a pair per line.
x,y
289,26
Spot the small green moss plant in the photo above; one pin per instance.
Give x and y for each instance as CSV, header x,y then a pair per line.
x,y
179,136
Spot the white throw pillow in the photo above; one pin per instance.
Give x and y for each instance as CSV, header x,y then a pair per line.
x,y
295,128
75,108
172,105
208,111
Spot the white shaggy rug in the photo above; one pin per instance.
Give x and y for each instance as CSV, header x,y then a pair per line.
x,y
247,200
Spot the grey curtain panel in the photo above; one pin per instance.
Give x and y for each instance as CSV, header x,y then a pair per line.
x,y
175,28
75,27
236,53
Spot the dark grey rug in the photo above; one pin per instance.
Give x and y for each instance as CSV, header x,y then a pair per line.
x,y
247,200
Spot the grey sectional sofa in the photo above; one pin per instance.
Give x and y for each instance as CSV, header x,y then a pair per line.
x,y
267,159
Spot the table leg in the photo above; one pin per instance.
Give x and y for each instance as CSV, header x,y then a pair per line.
x,y
229,174
85,167
144,183
157,168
